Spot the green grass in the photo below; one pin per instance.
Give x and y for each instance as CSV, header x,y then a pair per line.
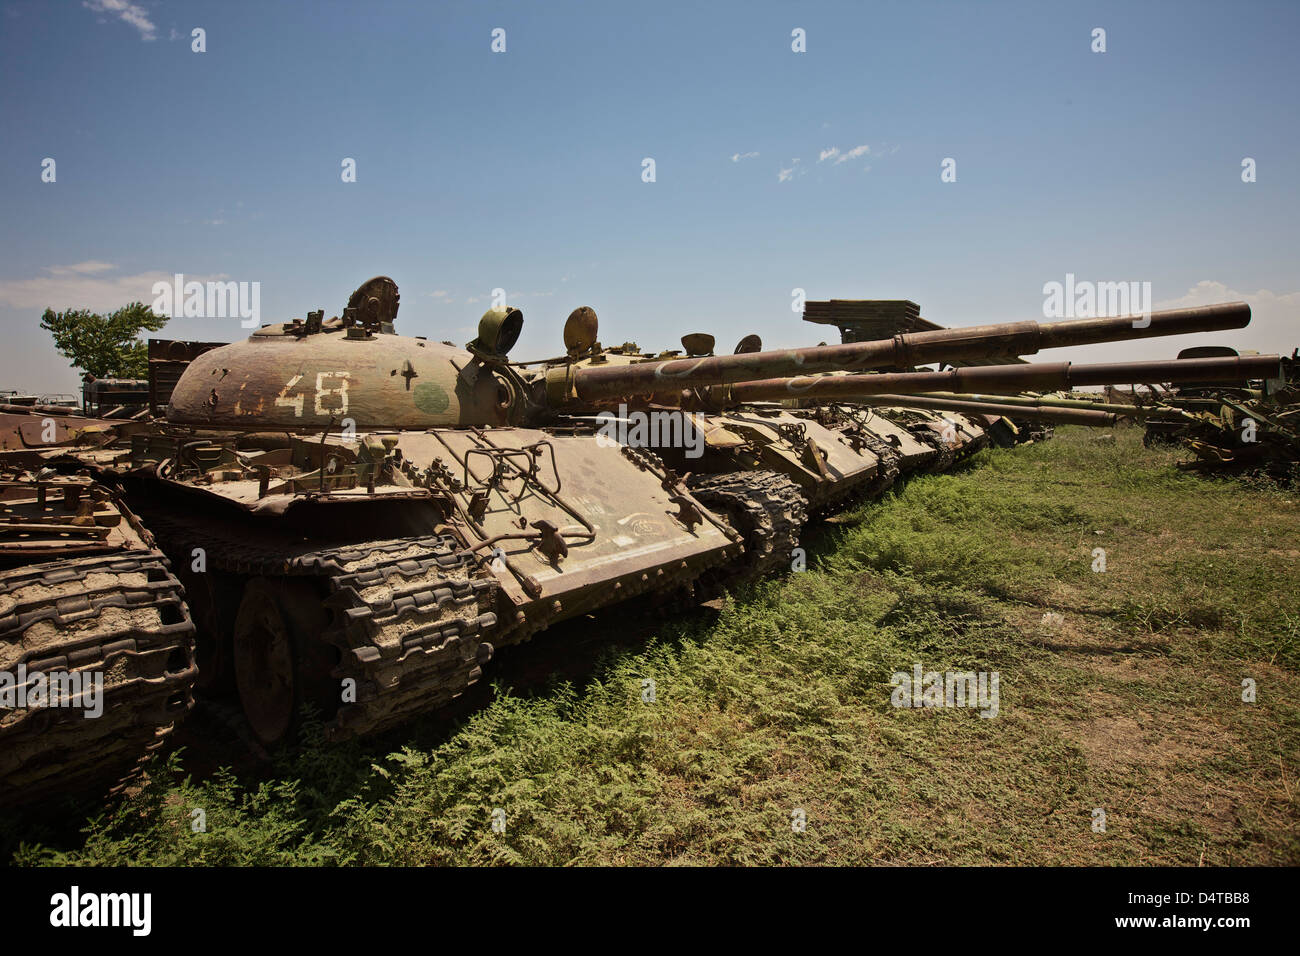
x,y
1131,703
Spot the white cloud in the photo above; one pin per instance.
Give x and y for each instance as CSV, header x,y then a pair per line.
x,y
81,268
1274,316
512,297
854,153
737,157
828,154
787,174
1274,327
437,294
82,286
127,12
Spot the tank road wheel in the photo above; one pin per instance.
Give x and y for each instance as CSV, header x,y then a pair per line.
x,y
280,663
214,599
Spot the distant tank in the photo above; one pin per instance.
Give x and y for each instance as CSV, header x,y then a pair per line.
x,y
1171,415
362,519
1249,427
730,394
768,447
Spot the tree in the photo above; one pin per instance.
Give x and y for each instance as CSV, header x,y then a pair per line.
x,y
104,346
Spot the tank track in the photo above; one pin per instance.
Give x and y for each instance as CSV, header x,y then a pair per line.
x,y
945,453
888,457
121,616
769,511
887,472
410,627
409,616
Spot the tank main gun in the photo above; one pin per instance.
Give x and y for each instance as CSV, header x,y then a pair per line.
x,y
1038,413
1043,401
566,384
1013,379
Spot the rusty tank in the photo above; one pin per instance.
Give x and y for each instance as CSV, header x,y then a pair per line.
x,y
1247,427
1003,401
837,451
96,644
361,520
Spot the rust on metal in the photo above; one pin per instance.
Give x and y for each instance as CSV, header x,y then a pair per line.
x,y
1045,413
902,351
1046,376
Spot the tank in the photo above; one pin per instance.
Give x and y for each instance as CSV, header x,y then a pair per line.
x,y
1253,428
831,455
760,446
96,643
1003,415
1174,413
361,520
366,534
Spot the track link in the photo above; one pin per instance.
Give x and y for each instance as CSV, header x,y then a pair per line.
x,y
765,507
411,618
121,617
887,471
945,452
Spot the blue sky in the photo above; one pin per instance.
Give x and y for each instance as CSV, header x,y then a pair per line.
x,y
522,170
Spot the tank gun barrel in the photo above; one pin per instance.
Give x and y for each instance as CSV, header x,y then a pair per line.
x,y
567,385
1045,376
1039,413
1043,401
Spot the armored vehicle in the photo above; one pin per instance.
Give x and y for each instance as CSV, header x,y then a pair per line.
x,y
362,519
1253,430
96,643
765,449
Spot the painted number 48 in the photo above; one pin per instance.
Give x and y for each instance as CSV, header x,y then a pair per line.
x,y
331,400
